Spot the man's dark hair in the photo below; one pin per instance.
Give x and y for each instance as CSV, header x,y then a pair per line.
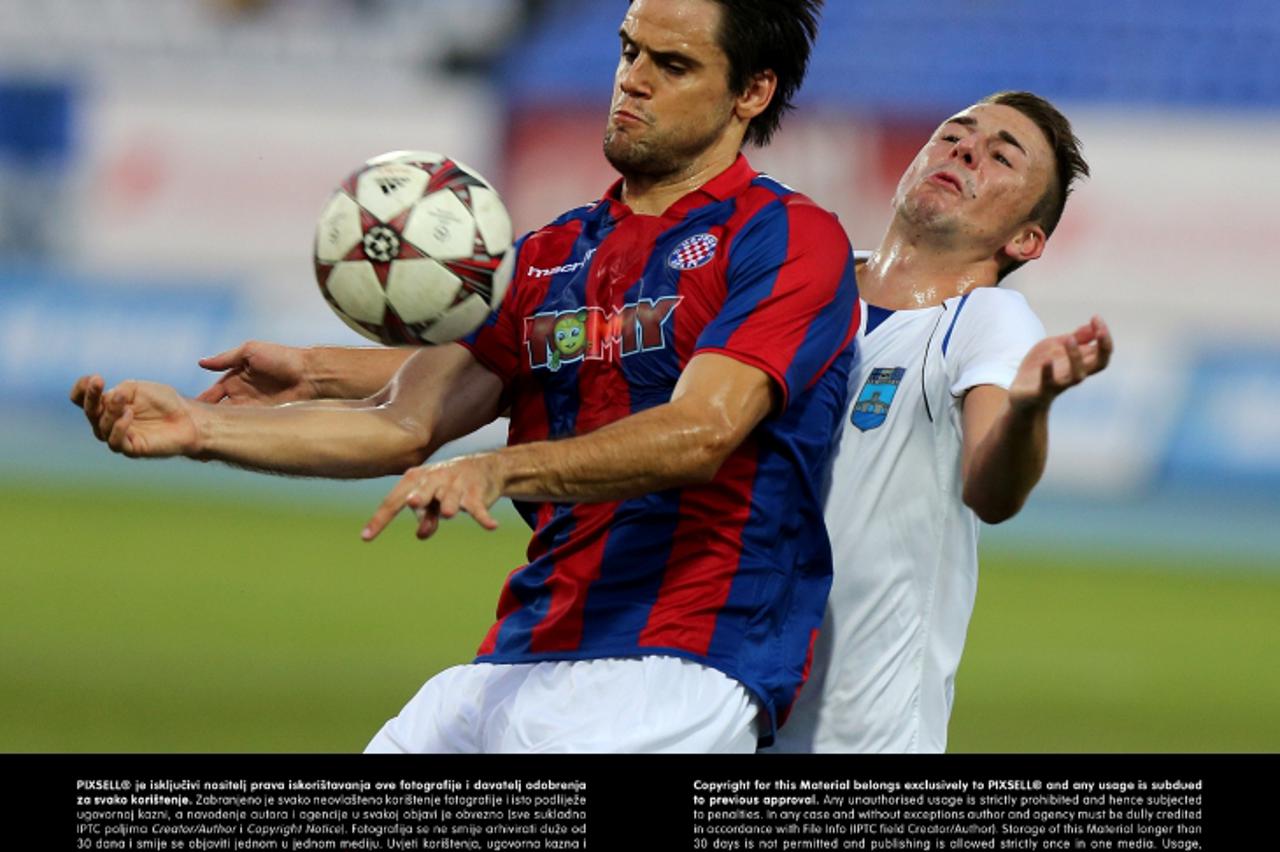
x,y
768,35
1068,161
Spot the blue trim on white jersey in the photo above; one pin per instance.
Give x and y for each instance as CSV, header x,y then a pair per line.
x,y
960,307
875,316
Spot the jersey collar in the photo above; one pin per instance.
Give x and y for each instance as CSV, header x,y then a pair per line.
x,y
727,184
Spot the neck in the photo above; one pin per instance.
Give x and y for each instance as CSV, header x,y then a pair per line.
x,y
651,195
907,273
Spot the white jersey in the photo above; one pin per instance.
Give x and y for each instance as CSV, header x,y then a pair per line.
x,y
904,543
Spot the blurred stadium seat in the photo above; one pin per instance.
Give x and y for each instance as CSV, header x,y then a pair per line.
x,y
900,56
195,38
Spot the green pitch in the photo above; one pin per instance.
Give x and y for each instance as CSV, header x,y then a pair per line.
x,y
157,621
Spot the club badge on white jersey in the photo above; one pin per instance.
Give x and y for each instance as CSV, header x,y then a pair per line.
x,y
872,405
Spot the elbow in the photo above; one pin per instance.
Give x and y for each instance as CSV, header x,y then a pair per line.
x,y
992,510
716,442
410,443
417,449
412,457
993,502
995,516
707,432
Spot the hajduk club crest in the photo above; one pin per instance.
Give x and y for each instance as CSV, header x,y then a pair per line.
x,y
693,252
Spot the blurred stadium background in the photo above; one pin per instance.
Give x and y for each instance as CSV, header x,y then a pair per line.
x,y
161,166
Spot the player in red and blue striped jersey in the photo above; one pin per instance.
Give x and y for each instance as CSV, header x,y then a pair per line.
x,y
675,360
725,572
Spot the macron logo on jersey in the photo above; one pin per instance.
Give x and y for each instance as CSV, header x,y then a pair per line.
x,y
538,272
553,339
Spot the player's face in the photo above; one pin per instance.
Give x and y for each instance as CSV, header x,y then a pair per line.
x,y
671,98
978,177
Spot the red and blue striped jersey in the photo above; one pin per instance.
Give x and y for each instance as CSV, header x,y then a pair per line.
x,y
605,310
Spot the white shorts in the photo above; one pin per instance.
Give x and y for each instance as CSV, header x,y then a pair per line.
x,y
639,705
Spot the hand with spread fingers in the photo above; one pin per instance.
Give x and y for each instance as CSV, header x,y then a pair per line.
x,y
468,484
258,373
1057,363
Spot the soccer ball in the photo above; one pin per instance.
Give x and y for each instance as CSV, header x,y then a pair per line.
x,y
414,247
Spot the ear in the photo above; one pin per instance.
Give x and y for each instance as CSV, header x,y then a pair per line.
x,y
756,97
1026,244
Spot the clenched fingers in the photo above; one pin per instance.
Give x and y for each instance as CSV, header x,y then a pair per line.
x,y
110,411
118,438
1105,344
1075,362
1095,341
87,394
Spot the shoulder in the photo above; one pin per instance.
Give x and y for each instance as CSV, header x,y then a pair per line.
x,y
561,231
576,215
811,220
790,222
992,310
781,202
989,332
995,300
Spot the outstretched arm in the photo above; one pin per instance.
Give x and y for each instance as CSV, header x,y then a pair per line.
x,y
259,373
441,393
1006,433
715,405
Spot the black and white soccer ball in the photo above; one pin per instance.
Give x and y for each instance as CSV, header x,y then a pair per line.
x,y
414,247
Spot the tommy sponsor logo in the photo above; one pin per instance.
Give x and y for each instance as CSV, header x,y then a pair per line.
x,y
693,252
594,334
872,405
536,272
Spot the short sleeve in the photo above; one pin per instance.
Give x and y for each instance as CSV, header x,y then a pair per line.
x,y
791,303
987,339
496,343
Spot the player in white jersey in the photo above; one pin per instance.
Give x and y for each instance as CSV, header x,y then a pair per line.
x,y
947,423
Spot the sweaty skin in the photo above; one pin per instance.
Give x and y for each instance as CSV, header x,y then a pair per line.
x,y
961,210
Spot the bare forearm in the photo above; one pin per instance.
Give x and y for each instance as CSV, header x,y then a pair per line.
x,y
664,447
1006,433
715,405
344,373
310,440
1008,463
